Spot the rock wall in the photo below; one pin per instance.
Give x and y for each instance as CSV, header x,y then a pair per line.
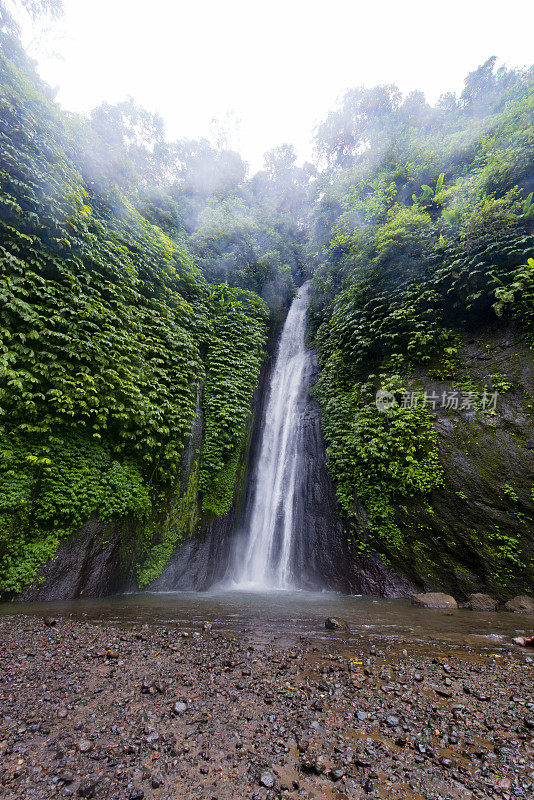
x,y
325,558
479,534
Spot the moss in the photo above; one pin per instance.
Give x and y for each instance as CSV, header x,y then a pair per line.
x,y
171,529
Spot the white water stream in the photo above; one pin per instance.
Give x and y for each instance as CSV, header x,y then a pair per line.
x,y
265,562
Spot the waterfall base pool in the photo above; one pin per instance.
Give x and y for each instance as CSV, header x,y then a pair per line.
x,y
288,615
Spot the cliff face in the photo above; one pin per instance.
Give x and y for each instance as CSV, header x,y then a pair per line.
x,y
194,552
125,555
478,531
204,558
87,563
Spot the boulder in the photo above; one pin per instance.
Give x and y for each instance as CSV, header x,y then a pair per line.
x,y
481,602
524,641
522,604
434,600
336,624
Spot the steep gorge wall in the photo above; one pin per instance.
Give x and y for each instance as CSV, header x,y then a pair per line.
x,y
476,533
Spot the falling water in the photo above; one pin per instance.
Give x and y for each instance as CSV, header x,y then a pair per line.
x,y
266,560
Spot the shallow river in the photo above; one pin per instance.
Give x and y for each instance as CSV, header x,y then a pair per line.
x,y
286,615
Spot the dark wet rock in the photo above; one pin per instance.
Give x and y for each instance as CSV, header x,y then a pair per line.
x,y
136,794
481,602
522,604
336,623
477,452
434,600
87,789
313,763
82,565
336,774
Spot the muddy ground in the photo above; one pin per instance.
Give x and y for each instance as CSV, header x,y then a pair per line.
x,y
89,711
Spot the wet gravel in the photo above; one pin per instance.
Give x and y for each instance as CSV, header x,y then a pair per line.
x,y
147,713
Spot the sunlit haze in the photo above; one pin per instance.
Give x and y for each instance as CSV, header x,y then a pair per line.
x,y
275,68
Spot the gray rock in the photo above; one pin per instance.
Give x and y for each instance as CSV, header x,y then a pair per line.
x,y
336,624
434,600
179,708
524,641
522,604
481,602
267,779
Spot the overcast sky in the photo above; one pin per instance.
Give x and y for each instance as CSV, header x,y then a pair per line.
x,y
277,67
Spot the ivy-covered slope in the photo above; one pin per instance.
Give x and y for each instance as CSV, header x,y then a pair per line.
x,y
108,333
428,280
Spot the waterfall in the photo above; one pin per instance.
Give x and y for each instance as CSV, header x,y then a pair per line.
x,y
268,555
288,533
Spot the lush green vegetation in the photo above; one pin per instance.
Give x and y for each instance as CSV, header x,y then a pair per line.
x,y
141,279
108,331
427,223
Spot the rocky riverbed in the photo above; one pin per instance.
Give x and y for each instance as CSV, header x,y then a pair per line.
x,y
91,711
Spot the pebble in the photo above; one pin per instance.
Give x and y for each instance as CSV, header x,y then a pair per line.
x,y
320,718
267,779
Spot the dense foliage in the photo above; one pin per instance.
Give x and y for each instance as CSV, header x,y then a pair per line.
x,y
107,331
427,222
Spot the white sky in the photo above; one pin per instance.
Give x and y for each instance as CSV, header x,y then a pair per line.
x,y
278,66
